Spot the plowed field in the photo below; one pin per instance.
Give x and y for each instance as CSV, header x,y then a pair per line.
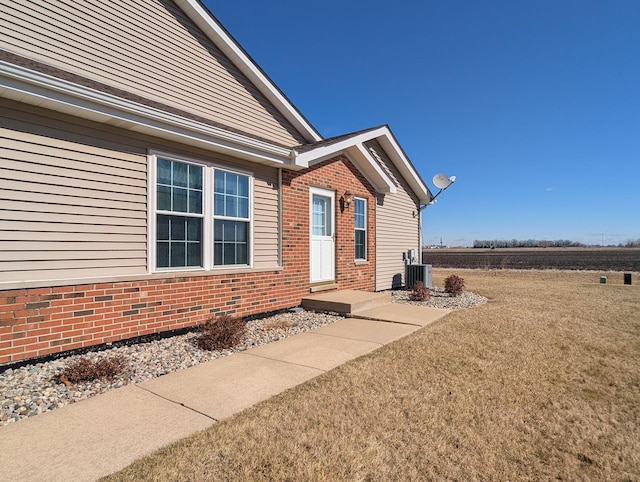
x,y
596,259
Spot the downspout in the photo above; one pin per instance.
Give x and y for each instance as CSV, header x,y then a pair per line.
x,y
420,209
280,226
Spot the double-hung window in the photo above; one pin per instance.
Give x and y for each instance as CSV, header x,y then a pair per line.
x,y
179,214
230,219
360,224
202,216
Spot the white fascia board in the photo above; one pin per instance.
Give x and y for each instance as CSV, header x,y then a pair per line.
x,y
372,170
57,94
218,35
403,165
358,154
323,153
384,136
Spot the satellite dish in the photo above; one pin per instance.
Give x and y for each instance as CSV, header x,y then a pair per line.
x,y
442,181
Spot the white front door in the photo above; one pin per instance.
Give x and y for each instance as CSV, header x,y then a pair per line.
x,y
322,223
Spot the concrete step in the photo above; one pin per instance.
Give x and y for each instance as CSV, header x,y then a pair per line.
x,y
403,314
345,302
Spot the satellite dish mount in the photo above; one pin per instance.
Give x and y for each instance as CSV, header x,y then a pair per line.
x,y
442,182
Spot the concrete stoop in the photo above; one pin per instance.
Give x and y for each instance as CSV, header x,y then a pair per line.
x,y
345,302
372,306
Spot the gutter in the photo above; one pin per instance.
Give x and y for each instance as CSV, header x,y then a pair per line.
x,y
36,88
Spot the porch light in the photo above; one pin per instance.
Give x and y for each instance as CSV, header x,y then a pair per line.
x,y
348,198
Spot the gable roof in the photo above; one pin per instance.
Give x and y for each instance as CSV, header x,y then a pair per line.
x,y
32,81
35,83
353,145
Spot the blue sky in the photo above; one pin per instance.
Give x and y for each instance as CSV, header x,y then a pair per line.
x,y
533,105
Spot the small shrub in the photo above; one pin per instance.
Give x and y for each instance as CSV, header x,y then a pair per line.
x,y
221,333
419,292
454,285
85,370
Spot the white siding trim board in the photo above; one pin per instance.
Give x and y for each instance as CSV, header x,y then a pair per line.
x,y
228,92
355,146
60,95
36,279
159,73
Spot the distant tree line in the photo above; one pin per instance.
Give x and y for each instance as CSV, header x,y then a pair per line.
x,y
539,243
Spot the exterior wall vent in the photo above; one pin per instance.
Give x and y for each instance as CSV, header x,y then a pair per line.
x,y
417,272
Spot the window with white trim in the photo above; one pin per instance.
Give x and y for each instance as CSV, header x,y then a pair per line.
x,y
203,216
230,219
179,214
360,225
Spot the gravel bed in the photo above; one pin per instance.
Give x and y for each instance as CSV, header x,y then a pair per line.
x,y
440,299
32,389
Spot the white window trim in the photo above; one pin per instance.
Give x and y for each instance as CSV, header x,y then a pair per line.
x,y
360,229
249,219
207,213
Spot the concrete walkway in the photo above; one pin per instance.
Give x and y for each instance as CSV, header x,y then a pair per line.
x,y
96,437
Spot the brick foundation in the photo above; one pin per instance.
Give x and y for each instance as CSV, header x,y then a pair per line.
x,y
41,321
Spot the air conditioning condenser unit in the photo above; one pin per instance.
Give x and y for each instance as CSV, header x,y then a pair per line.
x,y
417,272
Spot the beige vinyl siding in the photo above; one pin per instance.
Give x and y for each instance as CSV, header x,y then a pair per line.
x,y
265,218
397,230
73,198
147,47
62,217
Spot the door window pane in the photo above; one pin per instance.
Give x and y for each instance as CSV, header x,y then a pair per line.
x,y
320,216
